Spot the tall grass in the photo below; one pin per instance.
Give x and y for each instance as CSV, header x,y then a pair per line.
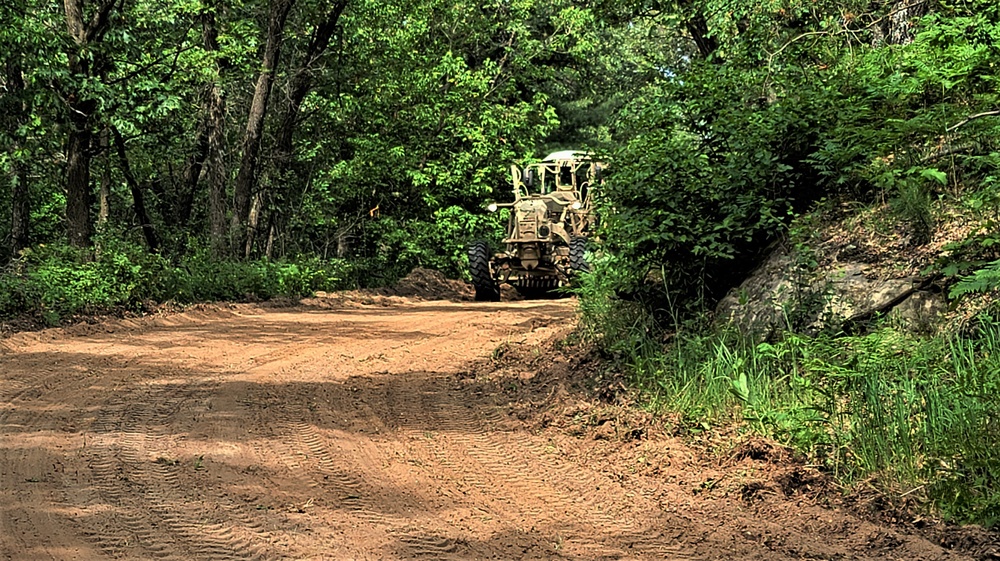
x,y
916,416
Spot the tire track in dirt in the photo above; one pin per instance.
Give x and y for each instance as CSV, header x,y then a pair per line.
x,y
29,474
237,536
352,493
420,419
336,475
134,474
563,511
112,520
341,477
119,472
577,486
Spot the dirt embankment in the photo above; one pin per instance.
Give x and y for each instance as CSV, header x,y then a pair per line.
x,y
345,428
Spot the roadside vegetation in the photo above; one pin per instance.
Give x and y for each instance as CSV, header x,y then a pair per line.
x,y
913,416
194,150
793,110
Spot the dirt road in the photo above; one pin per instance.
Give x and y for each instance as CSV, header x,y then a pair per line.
x,y
365,432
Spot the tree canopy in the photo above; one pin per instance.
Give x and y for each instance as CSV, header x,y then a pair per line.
x,y
376,131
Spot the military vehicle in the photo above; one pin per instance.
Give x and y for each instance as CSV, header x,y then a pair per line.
x,y
546,238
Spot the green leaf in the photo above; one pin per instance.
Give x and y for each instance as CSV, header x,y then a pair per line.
x,y
934,174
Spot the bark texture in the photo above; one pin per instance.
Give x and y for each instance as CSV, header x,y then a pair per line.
x,y
897,27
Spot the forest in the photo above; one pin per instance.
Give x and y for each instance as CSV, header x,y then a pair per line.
x,y
195,150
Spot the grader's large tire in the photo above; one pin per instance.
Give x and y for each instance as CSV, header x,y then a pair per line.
x,y
578,255
487,289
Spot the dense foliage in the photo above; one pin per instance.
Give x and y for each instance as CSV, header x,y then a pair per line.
x,y
773,107
363,130
796,102
915,417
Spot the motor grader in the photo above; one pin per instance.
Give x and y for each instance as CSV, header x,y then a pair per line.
x,y
546,237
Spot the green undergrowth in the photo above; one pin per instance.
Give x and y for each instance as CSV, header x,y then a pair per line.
x,y
916,416
57,282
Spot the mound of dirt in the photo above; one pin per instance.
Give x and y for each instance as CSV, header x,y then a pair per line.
x,y
425,284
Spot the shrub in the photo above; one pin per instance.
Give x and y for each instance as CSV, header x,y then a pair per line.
x,y
57,281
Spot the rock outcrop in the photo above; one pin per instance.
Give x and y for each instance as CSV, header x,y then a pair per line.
x,y
784,294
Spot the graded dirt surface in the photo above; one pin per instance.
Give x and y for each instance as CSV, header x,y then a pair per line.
x,y
384,428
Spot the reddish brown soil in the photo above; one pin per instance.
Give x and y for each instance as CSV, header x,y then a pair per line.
x,y
376,428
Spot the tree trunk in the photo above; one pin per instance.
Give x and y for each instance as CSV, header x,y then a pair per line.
x,y
698,28
78,197
246,179
79,226
208,160
299,85
217,170
20,225
184,206
104,191
138,201
253,222
897,27
17,112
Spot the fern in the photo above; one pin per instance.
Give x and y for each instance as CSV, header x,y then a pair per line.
x,y
986,279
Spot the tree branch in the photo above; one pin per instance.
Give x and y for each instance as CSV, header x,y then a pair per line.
x,y
323,32
99,24
137,198
971,118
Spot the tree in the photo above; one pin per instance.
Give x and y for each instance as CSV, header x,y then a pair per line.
x,y
246,180
299,83
87,24
16,111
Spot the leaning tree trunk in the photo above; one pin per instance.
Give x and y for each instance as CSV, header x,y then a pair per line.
x,y
246,179
897,27
138,200
698,28
299,85
179,214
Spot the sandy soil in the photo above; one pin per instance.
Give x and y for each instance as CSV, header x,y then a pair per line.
x,y
379,428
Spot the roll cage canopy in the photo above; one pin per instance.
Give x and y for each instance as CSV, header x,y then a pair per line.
x,y
567,172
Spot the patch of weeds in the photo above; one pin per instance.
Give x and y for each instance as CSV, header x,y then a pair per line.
x,y
500,351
